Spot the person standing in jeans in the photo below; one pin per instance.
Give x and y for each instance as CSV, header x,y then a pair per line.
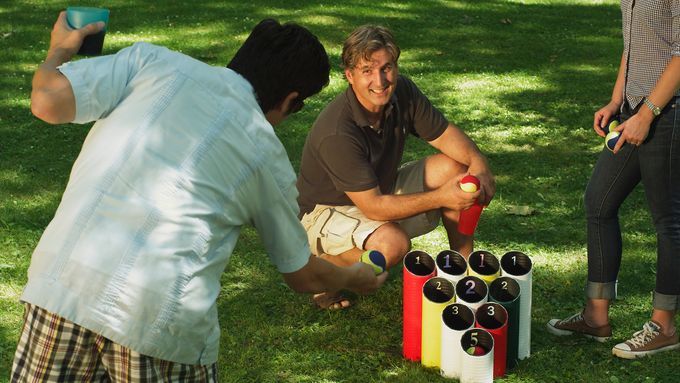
x,y
648,151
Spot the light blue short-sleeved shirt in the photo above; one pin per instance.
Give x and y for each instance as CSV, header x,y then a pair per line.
x,y
181,156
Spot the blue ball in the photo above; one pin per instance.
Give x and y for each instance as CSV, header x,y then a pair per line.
x,y
611,139
376,259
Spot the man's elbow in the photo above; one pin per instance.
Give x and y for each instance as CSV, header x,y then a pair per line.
x,y
44,108
375,214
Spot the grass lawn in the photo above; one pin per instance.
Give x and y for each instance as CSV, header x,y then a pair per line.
x,y
521,77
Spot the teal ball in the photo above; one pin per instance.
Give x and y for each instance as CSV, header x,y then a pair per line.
x,y
376,259
611,139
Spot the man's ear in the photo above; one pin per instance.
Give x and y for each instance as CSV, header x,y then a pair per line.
x,y
280,111
348,76
287,102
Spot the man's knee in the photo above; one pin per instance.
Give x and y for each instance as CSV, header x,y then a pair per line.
x,y
391,240
440,168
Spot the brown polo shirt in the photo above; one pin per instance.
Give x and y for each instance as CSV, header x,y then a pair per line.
x,y
343,153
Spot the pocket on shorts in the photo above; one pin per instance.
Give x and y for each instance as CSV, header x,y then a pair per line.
x,y
332,233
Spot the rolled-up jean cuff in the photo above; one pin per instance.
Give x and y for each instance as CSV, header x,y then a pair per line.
x,y
598,290
666,302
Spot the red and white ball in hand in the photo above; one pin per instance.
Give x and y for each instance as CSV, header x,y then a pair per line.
x,y
469,183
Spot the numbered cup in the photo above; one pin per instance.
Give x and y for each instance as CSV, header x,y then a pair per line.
x,y
518,265
451,265
477,358
418,268
456,319
472,291
484,264
419,263
493,318
437,294
506,291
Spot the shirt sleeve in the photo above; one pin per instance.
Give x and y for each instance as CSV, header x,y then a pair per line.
x,y
274,212
428,122
100,83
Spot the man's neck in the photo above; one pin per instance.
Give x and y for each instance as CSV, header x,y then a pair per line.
x,y
374,118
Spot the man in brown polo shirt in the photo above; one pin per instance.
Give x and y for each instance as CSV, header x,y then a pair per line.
x,y
353,193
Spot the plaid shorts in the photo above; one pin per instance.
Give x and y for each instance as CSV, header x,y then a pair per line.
x,y
53,349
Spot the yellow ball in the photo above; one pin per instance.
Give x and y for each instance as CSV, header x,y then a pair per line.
x,y
469,187
376,259
613,123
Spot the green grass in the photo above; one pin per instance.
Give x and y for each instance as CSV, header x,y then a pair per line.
x,y
522,78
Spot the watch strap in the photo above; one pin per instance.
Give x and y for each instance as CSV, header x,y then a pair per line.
x,y
655,109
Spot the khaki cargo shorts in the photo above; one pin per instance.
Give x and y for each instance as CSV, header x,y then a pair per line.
x,y
334,230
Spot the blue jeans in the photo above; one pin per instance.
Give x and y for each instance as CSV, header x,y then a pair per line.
x,y
657,164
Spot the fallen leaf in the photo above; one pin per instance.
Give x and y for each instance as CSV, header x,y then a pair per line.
x,y
519,210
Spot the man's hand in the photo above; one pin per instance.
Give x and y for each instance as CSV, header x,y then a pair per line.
x,y
487,181
68,40
320,276
454,198
364,281
458,146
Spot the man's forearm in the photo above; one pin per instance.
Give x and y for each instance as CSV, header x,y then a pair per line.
x,y
320,276
392,207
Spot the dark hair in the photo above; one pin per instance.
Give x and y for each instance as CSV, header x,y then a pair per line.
x,y
366,40
279,59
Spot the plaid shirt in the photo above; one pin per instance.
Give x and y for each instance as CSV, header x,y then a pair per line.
x,y
651,37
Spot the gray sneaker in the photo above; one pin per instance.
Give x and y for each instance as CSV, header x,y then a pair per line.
x,y
647,341
576,324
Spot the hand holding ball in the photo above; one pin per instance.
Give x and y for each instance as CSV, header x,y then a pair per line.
x,y
611,139
376,259
611,126
469,183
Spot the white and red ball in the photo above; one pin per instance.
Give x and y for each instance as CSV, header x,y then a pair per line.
x,y
469,183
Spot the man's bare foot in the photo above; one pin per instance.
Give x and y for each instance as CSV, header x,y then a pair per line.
x,y
331,301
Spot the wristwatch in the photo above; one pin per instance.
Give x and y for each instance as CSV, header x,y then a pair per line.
x,y
655,109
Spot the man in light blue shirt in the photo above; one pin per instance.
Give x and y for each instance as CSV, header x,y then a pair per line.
x,y
181,155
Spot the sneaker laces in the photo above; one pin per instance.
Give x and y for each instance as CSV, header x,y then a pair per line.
x,y
574,318
640,338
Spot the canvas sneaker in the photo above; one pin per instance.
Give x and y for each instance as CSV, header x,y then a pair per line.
x,y
576,324
647,341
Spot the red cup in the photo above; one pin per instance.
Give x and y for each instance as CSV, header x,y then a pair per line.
x,y
467,223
